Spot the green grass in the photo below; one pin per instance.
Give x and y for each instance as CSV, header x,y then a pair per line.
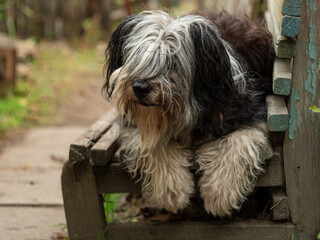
x,y
56,71
110,205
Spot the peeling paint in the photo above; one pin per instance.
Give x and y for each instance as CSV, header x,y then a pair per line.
x,y
295,96
312,45
310,84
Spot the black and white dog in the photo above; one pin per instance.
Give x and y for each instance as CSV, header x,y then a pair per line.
x,y
191,88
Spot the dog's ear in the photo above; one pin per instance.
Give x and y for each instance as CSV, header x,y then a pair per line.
x,y
114,51
213,82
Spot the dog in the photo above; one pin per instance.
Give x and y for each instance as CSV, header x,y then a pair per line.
x,y
191,89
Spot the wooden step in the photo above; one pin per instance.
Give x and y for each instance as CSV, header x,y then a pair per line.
x,y
231,230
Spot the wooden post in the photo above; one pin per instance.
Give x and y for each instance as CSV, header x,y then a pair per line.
x,y
83,205
302,139
7,66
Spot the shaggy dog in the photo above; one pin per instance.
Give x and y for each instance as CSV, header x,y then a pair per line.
x,y
191,88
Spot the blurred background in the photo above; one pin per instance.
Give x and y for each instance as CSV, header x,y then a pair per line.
x,y
51,74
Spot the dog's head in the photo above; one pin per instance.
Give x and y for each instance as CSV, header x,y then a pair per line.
x,y
162,72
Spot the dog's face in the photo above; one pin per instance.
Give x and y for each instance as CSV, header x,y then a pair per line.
x,y
162,72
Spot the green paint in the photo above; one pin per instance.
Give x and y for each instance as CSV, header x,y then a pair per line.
x,y
310,84
295,96
278,123
282,86
290,26
292,7
312,45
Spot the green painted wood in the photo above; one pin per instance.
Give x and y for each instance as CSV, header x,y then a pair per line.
x,y
284,47
277,117
290,26
282,77
302,140
291,7
231,230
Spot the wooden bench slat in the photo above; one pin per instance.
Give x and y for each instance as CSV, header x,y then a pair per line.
x,y
278,117
273,175
79,149
113,178
232,230
284,47
102,152
291,7
288,26
282,77
280,205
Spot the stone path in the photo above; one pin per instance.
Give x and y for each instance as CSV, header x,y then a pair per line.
x,y
31,205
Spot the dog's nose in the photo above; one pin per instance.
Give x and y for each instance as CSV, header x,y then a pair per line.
x,y
141,89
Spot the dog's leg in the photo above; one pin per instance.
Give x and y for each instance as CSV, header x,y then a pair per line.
x,y
164,173
229,168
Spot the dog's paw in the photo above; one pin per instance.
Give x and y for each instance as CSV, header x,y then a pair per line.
x,y
172,191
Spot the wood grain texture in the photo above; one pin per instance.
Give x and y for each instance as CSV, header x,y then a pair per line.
x,y
83,206
273,175
290,26
80,148
282,77
291,7
278,117
302,140
249,230
284,47
102,152
280,205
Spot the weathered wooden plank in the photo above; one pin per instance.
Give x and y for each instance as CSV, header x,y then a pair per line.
x,y
302,140
103,151
80,148
284,47
291,7
83,205
278,117
273,175
289,25
249,230
113,178
282,77
280,205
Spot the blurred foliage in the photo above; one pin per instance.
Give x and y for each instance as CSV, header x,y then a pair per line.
x,y
110,205
54,76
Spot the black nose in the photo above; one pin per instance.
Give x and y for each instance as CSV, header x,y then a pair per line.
x,y
141,89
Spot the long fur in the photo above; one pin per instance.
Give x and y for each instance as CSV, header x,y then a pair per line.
x,y
204,89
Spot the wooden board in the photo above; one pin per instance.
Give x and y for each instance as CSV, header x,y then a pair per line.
x,y
273,175
248,230
278,117
289,26
83,206
284,47
113,178
103,151
302,140
282,77
80,148
280,205
291,7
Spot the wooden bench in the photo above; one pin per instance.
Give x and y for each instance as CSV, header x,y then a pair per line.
x,y
292,167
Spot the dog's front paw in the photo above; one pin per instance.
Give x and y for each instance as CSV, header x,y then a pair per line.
x,y
171,191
